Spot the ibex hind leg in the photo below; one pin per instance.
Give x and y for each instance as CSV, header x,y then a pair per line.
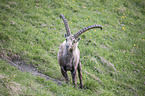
x,y
64,73
80,75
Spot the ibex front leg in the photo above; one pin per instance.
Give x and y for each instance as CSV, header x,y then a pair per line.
x,y
64,73
74,76
80,74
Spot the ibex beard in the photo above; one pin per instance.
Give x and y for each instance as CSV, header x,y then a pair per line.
x,y
69,54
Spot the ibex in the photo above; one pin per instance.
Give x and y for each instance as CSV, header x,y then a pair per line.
x,y
69,54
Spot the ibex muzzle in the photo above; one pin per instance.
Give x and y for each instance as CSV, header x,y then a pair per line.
x,y
69,54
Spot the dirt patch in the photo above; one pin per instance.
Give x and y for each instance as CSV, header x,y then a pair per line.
x,y
29,68
16,61
22,66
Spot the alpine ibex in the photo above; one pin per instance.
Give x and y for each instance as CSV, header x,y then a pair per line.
x,y
69,54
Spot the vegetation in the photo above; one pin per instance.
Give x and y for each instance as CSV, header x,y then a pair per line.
x,y
112,59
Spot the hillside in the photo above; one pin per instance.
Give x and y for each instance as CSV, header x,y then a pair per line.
x,y
113,59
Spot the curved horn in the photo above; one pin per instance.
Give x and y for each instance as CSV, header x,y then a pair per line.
x,y
66,24
87,28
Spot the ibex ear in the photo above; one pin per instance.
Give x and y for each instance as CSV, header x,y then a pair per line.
x,y
78,39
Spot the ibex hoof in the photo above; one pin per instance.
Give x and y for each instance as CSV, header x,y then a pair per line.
x,y
80,87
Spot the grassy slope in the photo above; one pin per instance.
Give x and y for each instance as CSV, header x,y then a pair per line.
x,y
31,31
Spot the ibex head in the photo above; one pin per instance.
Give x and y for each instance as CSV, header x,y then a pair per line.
x,y
72,40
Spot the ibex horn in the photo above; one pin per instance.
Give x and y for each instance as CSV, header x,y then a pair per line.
x,y
87,28
66,24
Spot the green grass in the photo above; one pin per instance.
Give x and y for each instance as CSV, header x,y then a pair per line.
x,y
31,32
